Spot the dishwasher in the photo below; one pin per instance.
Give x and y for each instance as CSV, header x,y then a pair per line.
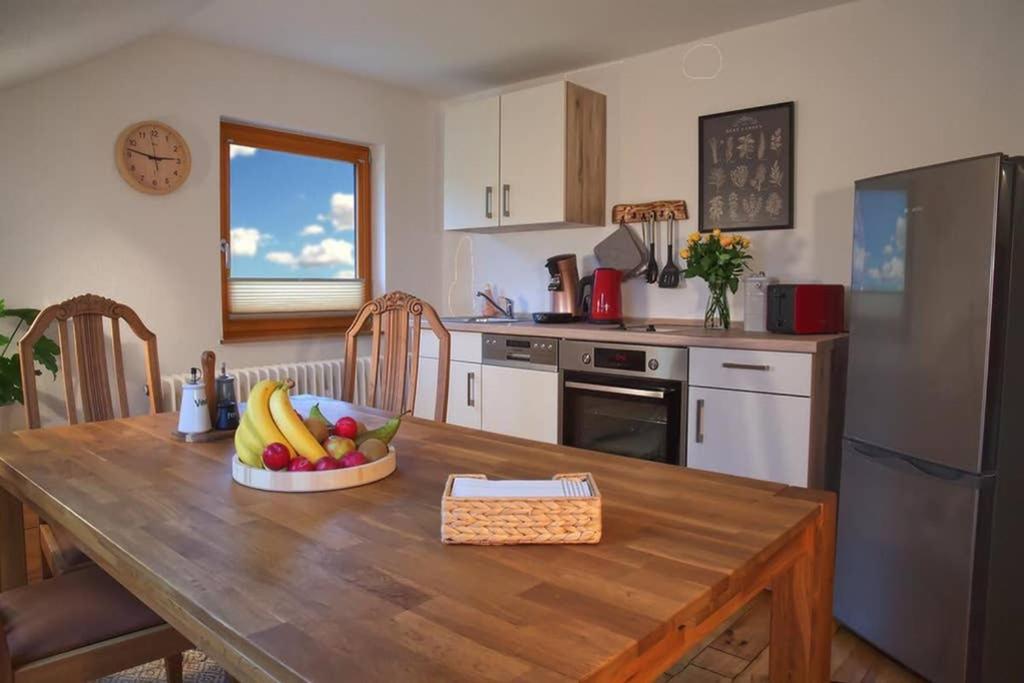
x,y
520,376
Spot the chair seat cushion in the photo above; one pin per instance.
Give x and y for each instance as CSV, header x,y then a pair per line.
x,y
71,556
67,612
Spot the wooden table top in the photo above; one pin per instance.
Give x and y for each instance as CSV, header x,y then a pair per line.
x,y
356,584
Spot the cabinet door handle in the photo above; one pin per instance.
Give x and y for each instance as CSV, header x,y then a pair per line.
x,y
506,193
470,389
746,366
699,437
488,198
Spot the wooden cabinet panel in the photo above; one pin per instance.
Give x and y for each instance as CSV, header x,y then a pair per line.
x,y
762,436
521,403
471,134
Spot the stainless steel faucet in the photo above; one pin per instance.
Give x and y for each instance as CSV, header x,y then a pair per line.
x,y
508,310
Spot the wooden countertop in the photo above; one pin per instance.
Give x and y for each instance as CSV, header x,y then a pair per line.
x,y
677,333
356,585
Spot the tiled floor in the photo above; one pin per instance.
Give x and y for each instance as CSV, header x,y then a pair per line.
x,y
739,652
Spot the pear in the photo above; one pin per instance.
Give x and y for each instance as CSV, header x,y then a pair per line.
x,y
317,424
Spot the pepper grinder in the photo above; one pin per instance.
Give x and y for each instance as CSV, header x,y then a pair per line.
x,y
227,403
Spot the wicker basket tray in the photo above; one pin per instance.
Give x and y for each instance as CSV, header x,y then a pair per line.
x,y
510,521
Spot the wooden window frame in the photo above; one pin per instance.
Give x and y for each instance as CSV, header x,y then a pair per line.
x,y
252,328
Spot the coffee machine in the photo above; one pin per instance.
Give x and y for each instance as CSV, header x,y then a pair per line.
x,y
564,286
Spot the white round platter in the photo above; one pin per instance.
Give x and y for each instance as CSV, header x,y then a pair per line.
x,y
304,482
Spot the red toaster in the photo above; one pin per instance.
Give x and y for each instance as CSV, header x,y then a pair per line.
x,y
805,309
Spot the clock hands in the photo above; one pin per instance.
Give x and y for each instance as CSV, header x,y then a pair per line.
x,y
150,156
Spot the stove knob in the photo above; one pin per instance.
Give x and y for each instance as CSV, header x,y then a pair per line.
x,y
586,359
653,364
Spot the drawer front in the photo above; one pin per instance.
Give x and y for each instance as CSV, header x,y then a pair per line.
x,y
771,372
465,346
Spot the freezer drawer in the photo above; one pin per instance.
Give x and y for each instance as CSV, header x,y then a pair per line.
x,y
905,557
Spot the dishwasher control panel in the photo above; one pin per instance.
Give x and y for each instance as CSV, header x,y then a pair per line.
x,y
534,353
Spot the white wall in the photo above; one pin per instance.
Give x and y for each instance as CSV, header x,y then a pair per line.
x,y
69,224
879,85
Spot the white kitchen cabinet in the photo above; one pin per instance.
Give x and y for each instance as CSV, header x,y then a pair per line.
x,y
465,387
465,379
749,434
521,402
471,138
533,155
542,149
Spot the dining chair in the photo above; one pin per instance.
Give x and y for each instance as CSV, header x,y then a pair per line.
x,y
86,314
396,321
126,632
80,626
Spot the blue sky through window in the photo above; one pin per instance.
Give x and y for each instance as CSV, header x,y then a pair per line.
x,y
292,216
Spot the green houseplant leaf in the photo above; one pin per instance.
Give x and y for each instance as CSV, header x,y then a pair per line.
x,y
45,349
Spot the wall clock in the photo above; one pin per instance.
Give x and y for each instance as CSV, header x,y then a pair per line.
x,y
152,157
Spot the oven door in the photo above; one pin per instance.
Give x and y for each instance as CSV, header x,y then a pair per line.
x,y
639,418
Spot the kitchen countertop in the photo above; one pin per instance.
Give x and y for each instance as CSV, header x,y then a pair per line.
x,y
677,332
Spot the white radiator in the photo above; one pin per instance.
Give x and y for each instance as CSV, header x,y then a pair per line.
x,y
319,377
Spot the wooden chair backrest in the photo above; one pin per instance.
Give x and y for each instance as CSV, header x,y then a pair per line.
x,y
86,313
397,321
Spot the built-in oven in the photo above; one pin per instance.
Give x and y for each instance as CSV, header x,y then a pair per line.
x,y
625,399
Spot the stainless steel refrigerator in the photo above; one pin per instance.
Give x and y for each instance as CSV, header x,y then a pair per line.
x,y
930,545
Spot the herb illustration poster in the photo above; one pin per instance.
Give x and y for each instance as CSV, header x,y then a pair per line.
x,y
746,169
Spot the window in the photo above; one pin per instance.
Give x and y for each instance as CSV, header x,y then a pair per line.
x,y
295,232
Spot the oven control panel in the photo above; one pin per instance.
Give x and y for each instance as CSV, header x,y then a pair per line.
x,y
657,362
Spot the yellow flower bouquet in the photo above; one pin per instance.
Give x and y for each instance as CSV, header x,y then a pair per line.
x,y
719,260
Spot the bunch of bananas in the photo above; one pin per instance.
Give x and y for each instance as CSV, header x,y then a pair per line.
x,y
270,418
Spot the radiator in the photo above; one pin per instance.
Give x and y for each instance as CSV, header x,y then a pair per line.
x,y
320,378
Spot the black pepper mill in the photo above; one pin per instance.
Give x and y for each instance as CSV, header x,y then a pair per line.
x,y
227,404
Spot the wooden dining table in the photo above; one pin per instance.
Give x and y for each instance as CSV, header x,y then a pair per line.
x,y
356,584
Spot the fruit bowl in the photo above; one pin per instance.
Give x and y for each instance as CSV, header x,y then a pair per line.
x,y
304,482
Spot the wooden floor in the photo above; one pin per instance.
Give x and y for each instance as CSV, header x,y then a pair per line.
x,y
739,652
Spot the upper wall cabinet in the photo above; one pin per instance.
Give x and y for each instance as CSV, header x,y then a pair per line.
x,y
533,158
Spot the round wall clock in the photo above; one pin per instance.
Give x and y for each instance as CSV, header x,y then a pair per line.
x,y
152,157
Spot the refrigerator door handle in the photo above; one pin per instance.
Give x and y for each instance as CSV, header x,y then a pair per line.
x,y
926,468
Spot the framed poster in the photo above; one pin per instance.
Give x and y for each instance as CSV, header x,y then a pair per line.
x,y
746,169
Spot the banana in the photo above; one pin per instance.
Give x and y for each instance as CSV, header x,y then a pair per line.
x,y
292,426
262,421
247,444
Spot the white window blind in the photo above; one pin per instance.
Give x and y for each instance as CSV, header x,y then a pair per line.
x,y
248,296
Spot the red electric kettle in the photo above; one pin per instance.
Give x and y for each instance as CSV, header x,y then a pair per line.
x,y
604,302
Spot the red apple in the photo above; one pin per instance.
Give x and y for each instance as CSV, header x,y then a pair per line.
x,y
327,464
354,459
346,427
276,456
300,464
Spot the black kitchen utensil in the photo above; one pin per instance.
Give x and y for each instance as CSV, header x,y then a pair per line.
x,y
652,260
669,278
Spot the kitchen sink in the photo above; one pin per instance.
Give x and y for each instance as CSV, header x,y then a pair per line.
x,y
482,319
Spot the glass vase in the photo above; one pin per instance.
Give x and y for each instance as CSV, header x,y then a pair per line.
x,y
716,315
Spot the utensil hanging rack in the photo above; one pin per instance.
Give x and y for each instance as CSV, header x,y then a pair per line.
x,y
662,209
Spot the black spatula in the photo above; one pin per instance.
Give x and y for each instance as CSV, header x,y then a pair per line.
x,y
652,260
669,278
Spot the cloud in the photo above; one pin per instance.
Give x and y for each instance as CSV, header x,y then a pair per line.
x,y
893,269
345,274
887,250
312,229
860,257
901,233
284,258
240,151
342,214
328,252
246,241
